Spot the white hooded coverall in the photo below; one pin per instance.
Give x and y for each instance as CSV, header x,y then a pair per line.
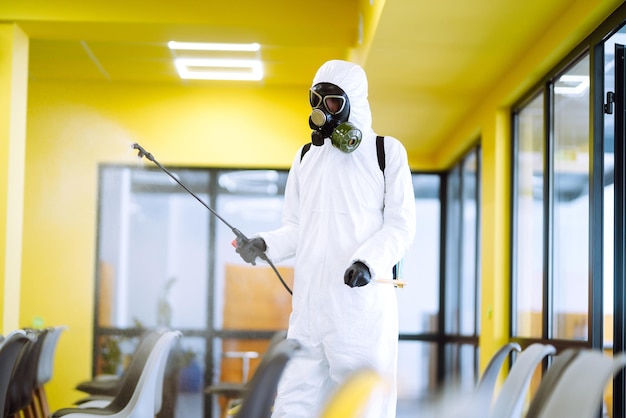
x,y
339,208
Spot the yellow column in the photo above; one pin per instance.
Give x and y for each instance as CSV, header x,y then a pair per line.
x,y
496,172
13,95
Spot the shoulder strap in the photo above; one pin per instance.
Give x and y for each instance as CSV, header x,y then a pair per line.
x,y
380,152
305,149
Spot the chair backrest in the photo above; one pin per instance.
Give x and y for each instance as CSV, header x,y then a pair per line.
x,y
550,379
141,384
277,338
578,393
147,393
10,350
161,373
510,400
262,387
483,395
24,379
46,360
350,399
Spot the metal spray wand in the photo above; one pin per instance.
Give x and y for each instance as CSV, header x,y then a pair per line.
x,y
141,152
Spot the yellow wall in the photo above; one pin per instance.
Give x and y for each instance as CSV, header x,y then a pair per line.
x,y
74,127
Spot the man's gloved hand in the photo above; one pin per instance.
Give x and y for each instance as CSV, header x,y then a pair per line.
x,y
357,275
250,249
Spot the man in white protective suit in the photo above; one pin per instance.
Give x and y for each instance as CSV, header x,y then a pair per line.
x,y
347,221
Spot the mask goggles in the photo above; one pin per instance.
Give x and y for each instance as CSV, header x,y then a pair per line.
x,y
329,117
334,104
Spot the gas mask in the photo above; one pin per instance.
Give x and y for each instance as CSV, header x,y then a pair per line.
x,y
329,118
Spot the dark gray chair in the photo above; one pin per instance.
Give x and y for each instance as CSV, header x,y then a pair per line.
x,y
10,350
21,399
259,398
233,391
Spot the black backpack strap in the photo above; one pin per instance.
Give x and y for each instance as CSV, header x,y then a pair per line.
x,y
305,149
396,271
380,151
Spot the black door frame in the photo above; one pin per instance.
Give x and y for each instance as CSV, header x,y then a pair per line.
x,y
619,342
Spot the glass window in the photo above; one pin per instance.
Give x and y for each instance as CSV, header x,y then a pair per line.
x,y
252,201
469,245
571,203
416,377
461,277
562,266
418,302
190,355
153,247
453,256
461,360
461,246
528,225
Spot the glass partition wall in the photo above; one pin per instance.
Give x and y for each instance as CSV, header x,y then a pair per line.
x,y
528,228
461,276
566,238
551,201
164,260
550,290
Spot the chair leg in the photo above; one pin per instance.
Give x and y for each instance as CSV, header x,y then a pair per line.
x,y
33,410
29,411
42,399
225,406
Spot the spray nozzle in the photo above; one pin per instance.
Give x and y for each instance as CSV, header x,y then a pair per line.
x,y
141,152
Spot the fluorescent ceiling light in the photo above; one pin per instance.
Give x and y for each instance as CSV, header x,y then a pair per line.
x,y
205,46
573,85
218,61
219,69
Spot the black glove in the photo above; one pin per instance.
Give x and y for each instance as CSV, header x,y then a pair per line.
x,y
250,249
357,275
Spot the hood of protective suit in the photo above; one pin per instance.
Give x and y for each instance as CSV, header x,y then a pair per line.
x,y
352,79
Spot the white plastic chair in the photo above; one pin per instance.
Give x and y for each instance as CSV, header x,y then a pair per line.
x,y
483,395
578,392
510,400
550,379
45,367
140,392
